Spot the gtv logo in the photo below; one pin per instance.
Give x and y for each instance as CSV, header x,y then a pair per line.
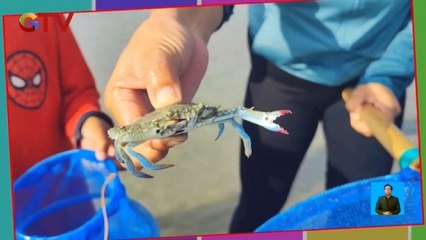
x,y
30,22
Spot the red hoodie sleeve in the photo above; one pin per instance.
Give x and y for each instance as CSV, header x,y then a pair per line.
x,y
78,86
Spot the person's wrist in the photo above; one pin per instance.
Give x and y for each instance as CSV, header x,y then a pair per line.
x,y
82,123
201,22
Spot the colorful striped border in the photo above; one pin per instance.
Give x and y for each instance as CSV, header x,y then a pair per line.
x,y
132,4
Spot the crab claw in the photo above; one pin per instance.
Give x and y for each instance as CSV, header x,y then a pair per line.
x,y
264,119
273,126
279,113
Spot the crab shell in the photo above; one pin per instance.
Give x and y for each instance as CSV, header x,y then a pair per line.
x,y
172,120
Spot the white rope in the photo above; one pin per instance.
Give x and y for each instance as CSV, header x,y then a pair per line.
x,y
110,177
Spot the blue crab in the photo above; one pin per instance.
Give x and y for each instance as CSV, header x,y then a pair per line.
x,y
181,118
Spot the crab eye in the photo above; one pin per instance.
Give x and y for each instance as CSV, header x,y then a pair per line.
x,y
113,132
208,113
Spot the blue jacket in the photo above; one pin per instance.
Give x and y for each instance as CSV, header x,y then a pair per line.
x,y
331,42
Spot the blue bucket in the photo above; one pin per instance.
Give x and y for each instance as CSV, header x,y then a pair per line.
x,y
59,198
349,206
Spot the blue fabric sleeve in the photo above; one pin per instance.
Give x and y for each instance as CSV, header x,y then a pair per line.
x,y
395,68
227,12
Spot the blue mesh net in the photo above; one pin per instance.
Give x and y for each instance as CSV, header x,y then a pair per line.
x,y
349,206
59,198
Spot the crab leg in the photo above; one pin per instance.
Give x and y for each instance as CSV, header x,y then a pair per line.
x,y
244,136
221,127
120,154
264,119
131,168
142,160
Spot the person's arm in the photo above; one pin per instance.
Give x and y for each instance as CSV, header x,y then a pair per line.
x,y
398,208
202,21
85,123
378,207
228,10
384,80
395,68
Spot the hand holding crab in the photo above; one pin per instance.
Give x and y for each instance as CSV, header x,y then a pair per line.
x,y
163,64
178,119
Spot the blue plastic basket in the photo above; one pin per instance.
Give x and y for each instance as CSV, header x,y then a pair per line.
x,y
59,198
349,206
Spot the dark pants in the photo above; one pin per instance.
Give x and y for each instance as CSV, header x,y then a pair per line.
x,y
267,176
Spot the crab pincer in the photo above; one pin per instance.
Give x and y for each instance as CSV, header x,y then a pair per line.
x,y
264,119
270,125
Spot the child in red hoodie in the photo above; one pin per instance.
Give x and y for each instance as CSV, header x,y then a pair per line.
x,y
52,99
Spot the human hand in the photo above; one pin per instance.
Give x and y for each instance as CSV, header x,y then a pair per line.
x,y
94,137
379,96
162,64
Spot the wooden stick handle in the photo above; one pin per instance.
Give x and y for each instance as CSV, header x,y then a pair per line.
x,y
392,139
